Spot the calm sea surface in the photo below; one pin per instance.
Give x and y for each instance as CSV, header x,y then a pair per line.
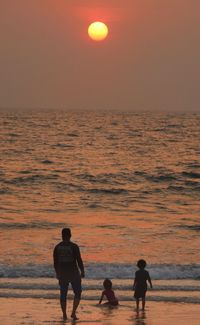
x,y
127,184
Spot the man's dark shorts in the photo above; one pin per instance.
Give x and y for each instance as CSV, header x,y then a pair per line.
x,y
76,287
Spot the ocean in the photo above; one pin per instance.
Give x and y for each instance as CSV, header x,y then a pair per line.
x,y
128,185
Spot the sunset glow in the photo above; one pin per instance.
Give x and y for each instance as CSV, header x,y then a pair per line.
x,y
97,31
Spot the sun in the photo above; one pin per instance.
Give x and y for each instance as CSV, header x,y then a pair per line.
x,y
98,31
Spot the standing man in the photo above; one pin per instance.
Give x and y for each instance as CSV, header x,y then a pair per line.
x,y
69,268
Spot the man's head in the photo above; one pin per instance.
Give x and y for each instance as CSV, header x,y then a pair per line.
x,y
66,234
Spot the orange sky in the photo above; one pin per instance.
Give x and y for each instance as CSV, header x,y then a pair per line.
x,y
149,61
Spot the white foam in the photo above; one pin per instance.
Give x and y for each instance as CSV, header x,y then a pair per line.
x,y
104,270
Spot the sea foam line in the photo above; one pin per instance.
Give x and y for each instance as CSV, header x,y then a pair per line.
x,y
104,270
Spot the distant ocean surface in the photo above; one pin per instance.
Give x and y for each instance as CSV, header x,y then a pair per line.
x,y
128,184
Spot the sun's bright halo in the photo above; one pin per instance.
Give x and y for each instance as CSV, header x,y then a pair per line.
x,y
97,31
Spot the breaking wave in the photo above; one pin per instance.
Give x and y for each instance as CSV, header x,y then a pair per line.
x,y
104,270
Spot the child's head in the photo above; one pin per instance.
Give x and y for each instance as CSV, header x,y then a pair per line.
x,y
107,283
141,264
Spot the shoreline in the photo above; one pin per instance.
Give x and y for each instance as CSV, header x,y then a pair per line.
x,y
47,311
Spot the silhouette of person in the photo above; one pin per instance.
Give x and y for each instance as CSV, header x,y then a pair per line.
x,y
140,283
109,294
69,268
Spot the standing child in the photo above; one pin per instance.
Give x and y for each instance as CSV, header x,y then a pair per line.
x,y
109,294
140,283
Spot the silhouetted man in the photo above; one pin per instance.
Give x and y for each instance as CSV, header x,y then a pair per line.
x,y
69,268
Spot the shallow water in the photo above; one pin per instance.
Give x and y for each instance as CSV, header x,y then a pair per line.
x,y
187,291
127,184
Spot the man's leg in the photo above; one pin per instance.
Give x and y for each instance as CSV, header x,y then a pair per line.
x,y
143,303
76,286
63,305
63,298
75,306
137,303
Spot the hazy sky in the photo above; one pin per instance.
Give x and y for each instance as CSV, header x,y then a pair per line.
x,y
151,59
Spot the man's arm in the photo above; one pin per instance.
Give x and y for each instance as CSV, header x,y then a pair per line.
x,y
80,262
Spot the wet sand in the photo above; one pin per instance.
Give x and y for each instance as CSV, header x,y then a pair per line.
x,y
43,311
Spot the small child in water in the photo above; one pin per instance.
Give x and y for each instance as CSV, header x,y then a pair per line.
x,y
140,283
109,294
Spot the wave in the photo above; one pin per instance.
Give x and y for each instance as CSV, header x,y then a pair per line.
x,y
5,191
107,270
72,135
108,191
47,161
193,165
158,271
121,183
178,299
63,145
30,225
183,291
189,227
182,180
191,174
37,178
94,285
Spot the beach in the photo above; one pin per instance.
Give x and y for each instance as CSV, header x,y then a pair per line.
x,y
46,311
36,301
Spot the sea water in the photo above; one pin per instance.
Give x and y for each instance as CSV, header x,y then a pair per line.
x,y
128,185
